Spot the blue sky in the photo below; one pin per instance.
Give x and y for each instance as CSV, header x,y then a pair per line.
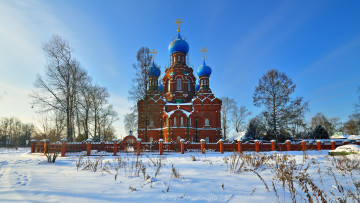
x,y
316,43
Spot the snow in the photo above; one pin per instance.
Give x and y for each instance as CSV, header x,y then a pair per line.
x,y
27,177
348,148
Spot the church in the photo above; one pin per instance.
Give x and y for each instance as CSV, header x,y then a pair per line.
x,y
179,106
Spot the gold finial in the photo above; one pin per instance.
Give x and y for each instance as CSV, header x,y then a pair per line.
x,y
179,22
153,52
203,50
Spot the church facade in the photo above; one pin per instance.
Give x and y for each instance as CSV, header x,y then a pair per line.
x,y
179,106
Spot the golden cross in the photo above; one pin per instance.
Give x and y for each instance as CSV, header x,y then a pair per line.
x,y
153,52
203,50
179,22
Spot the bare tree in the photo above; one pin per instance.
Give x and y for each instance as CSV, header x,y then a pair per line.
x,y
227,106
273,91
57,89
130,122
139,92
239,115
296,115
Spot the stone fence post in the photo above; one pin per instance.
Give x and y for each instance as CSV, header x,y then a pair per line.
x,y
63,147
88,147
240,150
202,147
318,144
288,145
221,142
115,146
257,149
332,144
303,145
182,146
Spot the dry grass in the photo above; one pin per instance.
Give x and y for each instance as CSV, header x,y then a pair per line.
x,y
301,181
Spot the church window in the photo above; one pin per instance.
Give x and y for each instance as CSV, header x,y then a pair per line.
x,y
207,139
207,122
174,59
151,139
178,138
190,122
178,58
189,85
178,83
182,121
168,85
151,123
174,121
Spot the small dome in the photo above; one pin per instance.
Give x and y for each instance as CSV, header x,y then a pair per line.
x,y
204,70
197,86
154,71
161,88
179,45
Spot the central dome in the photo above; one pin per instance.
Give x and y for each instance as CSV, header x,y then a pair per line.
x,y
179,45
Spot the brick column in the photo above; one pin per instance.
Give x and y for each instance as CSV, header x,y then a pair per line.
x,y
288,145
303,145
273,145
332,144
256,145
358,142
318,144
115,146
240,150
88,147
138,146
202,141
46,146
63,147
182,146
161,146
33,145
221,143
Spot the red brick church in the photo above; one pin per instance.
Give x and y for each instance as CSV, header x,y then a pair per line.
x,y
180,106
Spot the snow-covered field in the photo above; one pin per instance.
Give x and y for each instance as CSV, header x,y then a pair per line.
x,y
210,177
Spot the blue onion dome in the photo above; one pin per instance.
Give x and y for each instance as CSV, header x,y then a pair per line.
x,y
154,71
161,88
179,45
204,70
197,86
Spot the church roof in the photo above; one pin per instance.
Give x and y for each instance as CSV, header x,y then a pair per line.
x,y
204,70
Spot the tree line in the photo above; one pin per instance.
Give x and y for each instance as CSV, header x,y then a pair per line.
x,y
69,104
283,116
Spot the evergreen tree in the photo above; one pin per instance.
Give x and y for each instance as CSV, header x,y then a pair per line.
x,y
319,133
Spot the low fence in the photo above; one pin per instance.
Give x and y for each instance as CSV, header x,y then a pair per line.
x,y
114,147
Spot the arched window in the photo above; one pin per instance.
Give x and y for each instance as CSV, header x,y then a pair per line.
x,y
151,139
207,122
182,121
178,85
151,123
189,85
179,58
178,138
190,122
168,85
174,59
174,121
